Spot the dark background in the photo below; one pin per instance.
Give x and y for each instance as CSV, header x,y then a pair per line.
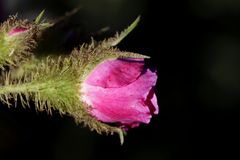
x,y
195,46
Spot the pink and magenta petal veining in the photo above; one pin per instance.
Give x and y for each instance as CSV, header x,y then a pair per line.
x,y
121,91
116,73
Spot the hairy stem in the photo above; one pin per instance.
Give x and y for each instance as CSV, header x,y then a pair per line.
x,y
20,88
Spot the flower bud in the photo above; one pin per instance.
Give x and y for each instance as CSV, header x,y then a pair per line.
x,y
18,39
107,89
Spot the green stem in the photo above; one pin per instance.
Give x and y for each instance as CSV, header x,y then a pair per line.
x,y
20,88
60,94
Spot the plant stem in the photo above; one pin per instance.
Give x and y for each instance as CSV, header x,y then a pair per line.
x,y
20,88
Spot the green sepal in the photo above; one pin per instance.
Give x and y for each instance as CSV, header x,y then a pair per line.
x,y
38,19
113,41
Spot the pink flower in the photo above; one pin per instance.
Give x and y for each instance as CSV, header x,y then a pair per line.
x,y
16,31
121,91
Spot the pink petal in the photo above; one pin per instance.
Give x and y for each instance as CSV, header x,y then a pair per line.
x,y
116,73
151,102
16,31
126,104
155,104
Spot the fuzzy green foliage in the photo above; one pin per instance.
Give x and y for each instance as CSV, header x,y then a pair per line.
x,y
51,85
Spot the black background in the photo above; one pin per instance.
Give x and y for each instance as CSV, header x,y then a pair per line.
x,y
195,47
